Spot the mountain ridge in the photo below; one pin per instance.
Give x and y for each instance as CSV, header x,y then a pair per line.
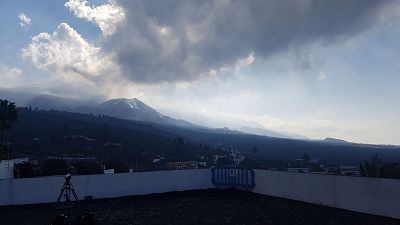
x,y
132,109
123,108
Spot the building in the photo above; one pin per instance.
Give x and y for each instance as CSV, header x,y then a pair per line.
x,y
298,169
109,171
182,165
6,169
72,157
349,170
156,160
238,159
202,164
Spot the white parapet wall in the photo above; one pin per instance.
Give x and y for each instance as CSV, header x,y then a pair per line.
x,y
368,195
47,189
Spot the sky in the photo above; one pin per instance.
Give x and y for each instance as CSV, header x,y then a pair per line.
x,y
318,68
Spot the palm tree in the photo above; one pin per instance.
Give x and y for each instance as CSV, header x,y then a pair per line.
x,y
8,115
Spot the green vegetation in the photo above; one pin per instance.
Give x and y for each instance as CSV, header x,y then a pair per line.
x,y
89,142
8,115
376,167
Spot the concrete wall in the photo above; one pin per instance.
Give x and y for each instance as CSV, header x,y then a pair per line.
x,y
368,195
46,189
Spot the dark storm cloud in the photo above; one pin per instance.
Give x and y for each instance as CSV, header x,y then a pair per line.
x,y
181,40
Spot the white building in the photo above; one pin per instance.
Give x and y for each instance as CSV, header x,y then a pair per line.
x,y
156,160
109,171
298,170
349,170
6,169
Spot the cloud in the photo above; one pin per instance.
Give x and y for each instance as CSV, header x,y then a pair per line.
x,y
67,54
152,42
322,76
24,21
292,48
9,72
9,76
183,40
105,16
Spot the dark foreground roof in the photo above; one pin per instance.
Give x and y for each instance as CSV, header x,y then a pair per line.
x,y
195,207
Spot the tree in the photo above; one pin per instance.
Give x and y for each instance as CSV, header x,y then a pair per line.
x,y
106,131
306,158
66,130
55,167
180,143
25,170
118,167
377,168
224,162
254,150
8,115
88,167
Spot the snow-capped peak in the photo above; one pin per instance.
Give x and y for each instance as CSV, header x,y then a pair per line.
x,y
133,104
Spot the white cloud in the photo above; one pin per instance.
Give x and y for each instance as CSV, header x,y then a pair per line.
x,y
24,20
322,76
9,76
67,54
171,48
8,72
245,61
106,16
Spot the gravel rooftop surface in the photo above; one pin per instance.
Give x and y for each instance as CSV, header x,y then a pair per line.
x,y
192,208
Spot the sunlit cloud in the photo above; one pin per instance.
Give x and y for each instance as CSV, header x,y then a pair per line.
x,y
105,16
9,72
24,21
67,54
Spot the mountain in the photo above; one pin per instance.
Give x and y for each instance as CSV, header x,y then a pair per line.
x,y
39,133
131,109
48,102
336,141
263,132
134,109
270,133
17,96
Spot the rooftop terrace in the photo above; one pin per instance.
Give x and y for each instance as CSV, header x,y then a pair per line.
x,y
195,207
124,198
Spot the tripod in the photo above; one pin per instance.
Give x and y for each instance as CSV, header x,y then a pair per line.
x,y
66,190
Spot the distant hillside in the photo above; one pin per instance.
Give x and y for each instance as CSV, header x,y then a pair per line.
x,y
41,132
132,109
48,102
280,148
262,131
335,141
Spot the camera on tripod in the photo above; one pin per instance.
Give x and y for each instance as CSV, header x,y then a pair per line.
x,y
68,177
67,189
